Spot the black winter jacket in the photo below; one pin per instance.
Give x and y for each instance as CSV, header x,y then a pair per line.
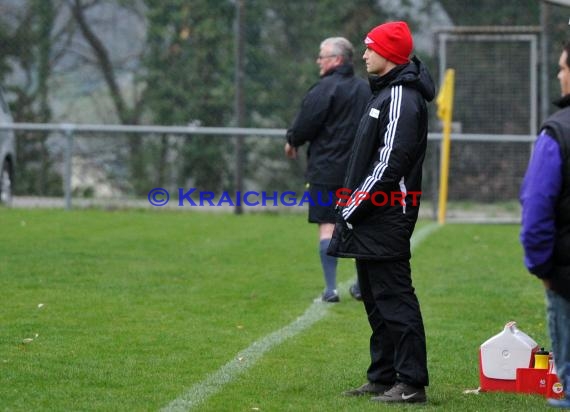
x,y
328,120
386,167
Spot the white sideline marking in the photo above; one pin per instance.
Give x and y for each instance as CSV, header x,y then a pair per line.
x,y
214,382
421,234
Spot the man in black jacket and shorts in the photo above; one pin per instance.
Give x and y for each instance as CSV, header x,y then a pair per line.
x,y
327,120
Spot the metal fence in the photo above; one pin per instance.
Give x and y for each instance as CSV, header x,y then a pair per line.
x,y
485,172
497,98
496,77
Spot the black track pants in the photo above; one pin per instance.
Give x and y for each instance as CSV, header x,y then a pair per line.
x,y
398,343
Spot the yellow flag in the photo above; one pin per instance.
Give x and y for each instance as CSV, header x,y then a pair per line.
x,y
445,96
445,113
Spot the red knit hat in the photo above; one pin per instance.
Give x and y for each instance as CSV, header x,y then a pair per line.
x,y
393,41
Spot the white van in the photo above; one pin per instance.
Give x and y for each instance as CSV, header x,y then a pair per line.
x,y
7,153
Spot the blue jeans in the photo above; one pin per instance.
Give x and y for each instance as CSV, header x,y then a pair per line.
x,y
558,315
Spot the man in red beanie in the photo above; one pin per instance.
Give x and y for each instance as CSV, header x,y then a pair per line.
x,y
387,157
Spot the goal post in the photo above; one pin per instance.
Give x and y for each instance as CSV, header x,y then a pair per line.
x,y
496,96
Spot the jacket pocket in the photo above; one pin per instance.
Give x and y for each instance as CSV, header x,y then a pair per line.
x,y
340,238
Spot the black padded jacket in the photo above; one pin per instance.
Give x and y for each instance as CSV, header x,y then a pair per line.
x,y
328,120
385,168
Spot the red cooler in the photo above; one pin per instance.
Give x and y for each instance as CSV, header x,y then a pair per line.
x,y
554,388
531,380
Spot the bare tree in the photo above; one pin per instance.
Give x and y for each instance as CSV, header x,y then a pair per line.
x,y
102,59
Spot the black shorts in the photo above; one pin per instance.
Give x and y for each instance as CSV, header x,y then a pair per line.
x,y
323,203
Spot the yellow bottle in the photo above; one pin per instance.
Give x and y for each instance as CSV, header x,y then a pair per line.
x,y
541,359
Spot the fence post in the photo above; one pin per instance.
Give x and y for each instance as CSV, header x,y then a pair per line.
x,y
239,105
68,133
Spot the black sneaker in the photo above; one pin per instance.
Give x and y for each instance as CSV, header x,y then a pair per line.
x,y
402,393
369,388
354,291
330,297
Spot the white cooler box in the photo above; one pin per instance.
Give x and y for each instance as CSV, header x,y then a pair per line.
x,y
501,355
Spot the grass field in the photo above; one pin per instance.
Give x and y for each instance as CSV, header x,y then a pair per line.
x,y
130,310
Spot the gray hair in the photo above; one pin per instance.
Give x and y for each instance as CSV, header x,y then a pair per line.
x,y
340,47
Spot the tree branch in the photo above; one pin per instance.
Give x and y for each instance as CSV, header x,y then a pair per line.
x,y
104,61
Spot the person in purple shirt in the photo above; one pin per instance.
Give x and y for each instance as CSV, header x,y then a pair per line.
x,y
545,232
